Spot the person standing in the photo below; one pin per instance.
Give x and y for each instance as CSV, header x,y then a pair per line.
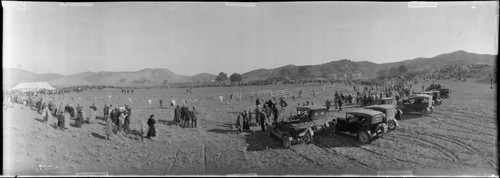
x,y
152,129
262,120
257,101
105,111
109,127
283,104
194,118
187,118
126,124
121,120
257,115
93,110
177,115
161,103
250,116
239,122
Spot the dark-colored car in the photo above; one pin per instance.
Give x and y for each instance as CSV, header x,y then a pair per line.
x,y
364,123
292,131
317,115
388,100
391,113
419,103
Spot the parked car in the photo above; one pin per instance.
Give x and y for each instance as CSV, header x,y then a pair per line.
x,y
292,131
365,124
436,100
419,103
444,92
315,114
388,100
391,114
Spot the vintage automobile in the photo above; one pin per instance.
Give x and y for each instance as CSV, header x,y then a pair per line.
x,y
436,97
444,92
391,114
443,89
364,123
315,114
292,131
388,100
419,103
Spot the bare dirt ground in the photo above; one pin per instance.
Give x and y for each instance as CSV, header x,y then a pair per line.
x,y
459,138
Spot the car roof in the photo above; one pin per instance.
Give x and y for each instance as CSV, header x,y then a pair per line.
x,y
420,96
364,112
313,107
383,106
387,98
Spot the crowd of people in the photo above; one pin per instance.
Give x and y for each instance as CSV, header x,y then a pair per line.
x,y
185,117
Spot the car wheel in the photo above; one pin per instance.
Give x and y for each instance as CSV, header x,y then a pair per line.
x,y
424,112
286,141
391,125
363,137
332,129
268,130
308,137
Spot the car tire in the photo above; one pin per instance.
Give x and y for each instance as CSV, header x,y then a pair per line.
x,y
363,137
308,137
286,141
391,125
268,130
332,129
424,112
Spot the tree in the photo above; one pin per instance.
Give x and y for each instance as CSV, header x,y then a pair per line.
x,y
402,69
235,77
221,77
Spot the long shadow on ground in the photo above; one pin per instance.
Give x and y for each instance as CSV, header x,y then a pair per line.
x,y
258,141
96,135
166,122
40,120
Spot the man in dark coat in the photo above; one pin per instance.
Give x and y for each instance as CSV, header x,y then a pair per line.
x,y
126,124
194,117
183,114
187,118
283,104
177,115
152,129
262,120
257,102
105,111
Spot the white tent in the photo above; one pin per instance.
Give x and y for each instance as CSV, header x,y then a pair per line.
x,y
33,86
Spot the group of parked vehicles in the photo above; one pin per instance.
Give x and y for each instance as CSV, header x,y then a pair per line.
x,y
366,123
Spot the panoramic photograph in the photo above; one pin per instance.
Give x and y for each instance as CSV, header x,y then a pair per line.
x,y
250,88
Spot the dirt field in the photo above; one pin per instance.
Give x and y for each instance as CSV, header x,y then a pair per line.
x,y
459,138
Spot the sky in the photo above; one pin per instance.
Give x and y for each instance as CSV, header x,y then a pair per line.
x,y
189,38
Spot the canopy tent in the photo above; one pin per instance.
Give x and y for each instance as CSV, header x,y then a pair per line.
x,y
33,86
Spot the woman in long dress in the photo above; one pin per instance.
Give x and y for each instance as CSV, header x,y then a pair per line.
x,y
121,120
152,129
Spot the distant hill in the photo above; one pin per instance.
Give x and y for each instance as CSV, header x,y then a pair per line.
x,y
367,69
161,75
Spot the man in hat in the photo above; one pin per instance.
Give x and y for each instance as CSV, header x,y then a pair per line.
x,y
194,117
177,115
152,129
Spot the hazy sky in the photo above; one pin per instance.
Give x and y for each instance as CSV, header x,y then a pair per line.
x,y
192,38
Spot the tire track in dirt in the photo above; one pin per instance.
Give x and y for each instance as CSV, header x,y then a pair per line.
x,y
465,145
307,158
388,156
321,145
175,158
483,122
448,153
463,127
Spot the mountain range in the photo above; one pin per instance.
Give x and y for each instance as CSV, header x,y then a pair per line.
x,y
327,70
